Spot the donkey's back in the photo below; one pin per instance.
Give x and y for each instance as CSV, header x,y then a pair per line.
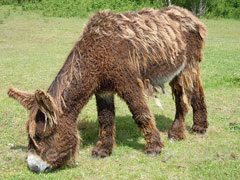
x,y
155,44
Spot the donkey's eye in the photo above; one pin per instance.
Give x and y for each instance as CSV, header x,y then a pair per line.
x,y
37,137
40,117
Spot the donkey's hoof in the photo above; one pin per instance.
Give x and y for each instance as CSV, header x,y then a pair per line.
x,y
155,150
176,135
152,152
199,129
101,152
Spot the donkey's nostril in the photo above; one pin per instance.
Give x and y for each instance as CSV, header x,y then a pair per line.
x,y
37,169
34,168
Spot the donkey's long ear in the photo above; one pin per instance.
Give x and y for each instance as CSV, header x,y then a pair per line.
x,y
47,105
24,98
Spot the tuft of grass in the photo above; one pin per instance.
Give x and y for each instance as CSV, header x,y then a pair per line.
x,y
33,49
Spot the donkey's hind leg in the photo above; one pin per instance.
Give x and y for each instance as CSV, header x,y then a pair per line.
x,y
188,89
181,101
198,104
131,91
106,115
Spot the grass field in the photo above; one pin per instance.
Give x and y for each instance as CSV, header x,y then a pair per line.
x,y
33,49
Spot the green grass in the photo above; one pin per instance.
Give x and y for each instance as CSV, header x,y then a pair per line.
x,y
33,49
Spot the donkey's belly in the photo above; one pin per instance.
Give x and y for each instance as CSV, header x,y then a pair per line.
x,y
167,76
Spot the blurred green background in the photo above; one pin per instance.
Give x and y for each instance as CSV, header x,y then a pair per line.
x,y
69,8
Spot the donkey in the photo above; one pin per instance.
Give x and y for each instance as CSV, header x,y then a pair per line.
x,y
118,54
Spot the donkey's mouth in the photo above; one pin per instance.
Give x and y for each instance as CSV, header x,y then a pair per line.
x,y
36,164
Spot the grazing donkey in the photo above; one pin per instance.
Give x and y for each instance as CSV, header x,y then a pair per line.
x,y
125,54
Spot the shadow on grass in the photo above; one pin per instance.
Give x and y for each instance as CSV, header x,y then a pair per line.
x,y
189,129
127,132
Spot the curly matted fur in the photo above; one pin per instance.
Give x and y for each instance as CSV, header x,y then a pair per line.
x,y
129,54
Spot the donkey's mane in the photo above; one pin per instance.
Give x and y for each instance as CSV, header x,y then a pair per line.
x,y
69,71
155,35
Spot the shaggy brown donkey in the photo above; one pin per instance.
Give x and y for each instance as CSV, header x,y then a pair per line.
x,y
125,54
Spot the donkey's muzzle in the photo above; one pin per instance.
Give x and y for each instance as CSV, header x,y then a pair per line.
x,y
36,164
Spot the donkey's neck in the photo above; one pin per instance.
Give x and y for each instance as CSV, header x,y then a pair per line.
x,y
67,83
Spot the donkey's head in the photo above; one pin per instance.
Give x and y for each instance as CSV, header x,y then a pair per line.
x,y
53,137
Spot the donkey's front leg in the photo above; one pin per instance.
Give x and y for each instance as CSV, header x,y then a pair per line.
x,y
133,95
106,115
